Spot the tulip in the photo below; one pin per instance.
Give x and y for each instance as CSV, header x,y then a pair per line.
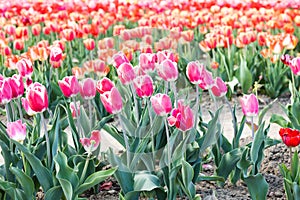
x,y
69,86
295,65
147,62
207,80
100,68
286,59
143,86
194,72
219,89
36,29
290,137
249,105
182,117
26,106
17,86
104,85
119,59
19,44
92,143
68,34
37,97
73,109
112,101
167,70
163,55
25,67
16,130
5,91
88,88
161,104
89,44
126,73
56,54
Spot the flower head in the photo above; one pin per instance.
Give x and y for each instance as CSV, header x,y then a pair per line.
x,y
290,137
249,105
16,130
92,143
161,104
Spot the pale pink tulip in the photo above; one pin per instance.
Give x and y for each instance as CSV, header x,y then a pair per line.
x,y
182,117
16,130
167,70
147,62
112,101
92,143
163,55
194,72
207,80
69,86
249,105
143,86
161,104
126,73
88,88
219,89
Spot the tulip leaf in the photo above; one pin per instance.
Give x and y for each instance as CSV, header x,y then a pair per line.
x,y
42,173
245,76
263,112
9,188
296,190
295,166
236,139
187,172
8,158
115,134
94,179
55,132
280,120
84,122
210,178
55,192
25,181
128,126
65,175
257,186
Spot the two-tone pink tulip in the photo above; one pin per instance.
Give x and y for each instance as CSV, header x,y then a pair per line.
x,y
194,72
75,110
147,62
294,64
118,59
17,86
219,89
88,89
104,85
126,73
143,86
112,100
37,97
91,144
167,70
161,104
16,130
5,91
249,105
25,67
69,86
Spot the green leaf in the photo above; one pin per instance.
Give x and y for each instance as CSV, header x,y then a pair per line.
x,y
236,139
257,186
9,188
85,122
280,120
263,112
114,133
210,178
187,172
54,193
129,127
144,181
42,173
245,76
296,190
25,181
94,179
244,163
295,166
257,143
65,175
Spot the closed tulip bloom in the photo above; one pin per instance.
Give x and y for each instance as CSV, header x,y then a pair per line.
x,y
5,91
19,44
249,105
89,44
112,101
16,130
219,89
26,106
290,137
88,88
143,86
68,34
56,54
295,65
167,70
17,86
119,59
73,109
69,86
92,143
147,62
100,68
207,80
104,85
182,117
161,104
194,72
163,55
37,97
126,73
25,67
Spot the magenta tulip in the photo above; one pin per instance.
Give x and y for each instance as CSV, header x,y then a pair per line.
x,y
119,59
37,97
25,67
5,91
17,86
167,70
112,101
147,62
92,143
56,54
161,104
207,80
69,86
219,89
88,88
16,130
104,85
182,117
126,73
143,86
294,64
249,105
26,106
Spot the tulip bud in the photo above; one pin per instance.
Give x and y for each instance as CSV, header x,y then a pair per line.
x,y
69,86
37,97
249,105
16,130
161,104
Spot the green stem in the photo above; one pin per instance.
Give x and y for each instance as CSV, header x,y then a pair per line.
x,y
169,156
252,127
152,133
7,113
136,111
20,109
173,85
197,106
126,141
291,156
24,163
12,110
90,113
77,118
86,164
294,88
47,140
233,117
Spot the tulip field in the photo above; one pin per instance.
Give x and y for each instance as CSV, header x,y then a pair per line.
x,y
140,72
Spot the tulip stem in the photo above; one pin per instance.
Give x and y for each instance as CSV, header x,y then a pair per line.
x,y
20,109
12,110
135,104
169,154
77,118
7,112
71,56
252,127
86,164
166,87
291,156
232,115
152,133
125,140
56,74
47,140
197,106
90,113
173,85
294,89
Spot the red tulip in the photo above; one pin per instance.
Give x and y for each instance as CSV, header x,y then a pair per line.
x,y
92,143
5,91
126,73
69,86
73,109
17,85
25,67
286,59
26,106
68,34
88,88
249,105
16,130
56,54
112,101
143,86
167,70
182,117
290,137
36,29
161,104
219,89
37,97
19,44
104,85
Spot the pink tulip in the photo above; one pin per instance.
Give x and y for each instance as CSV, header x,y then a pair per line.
x,y
249,105
88,88
167,70
294,64
16,130
161,104
164,55
147,62
17,86
126,73
112,100
100,68
194,72
37,97
182,117
104,85
5,91
69,86
143,86
92,143
73,109
56,54
207,80
219,89
25,67
27,108
119,59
